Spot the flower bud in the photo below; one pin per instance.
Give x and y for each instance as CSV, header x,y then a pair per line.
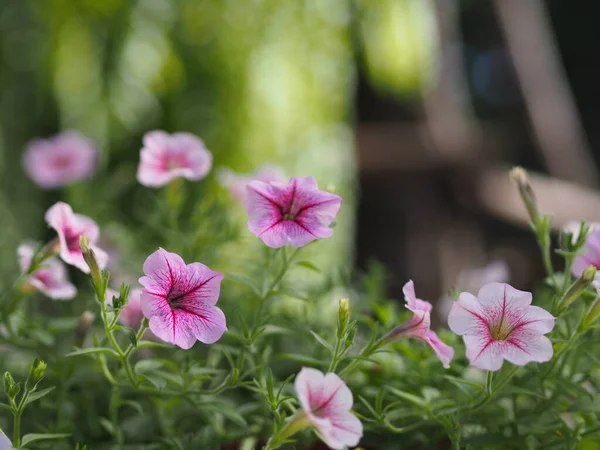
x,y
9,382
36,373
343,316
519,176
90,258
578,286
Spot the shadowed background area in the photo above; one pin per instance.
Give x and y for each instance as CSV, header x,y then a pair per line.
x,y
417,106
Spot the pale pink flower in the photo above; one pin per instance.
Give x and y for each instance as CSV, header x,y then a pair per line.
x,y
419,325
296,213
50,279
499,324
69,227
236,183
327,401
131,315
5,443
590,256
165,157
60,160
179,300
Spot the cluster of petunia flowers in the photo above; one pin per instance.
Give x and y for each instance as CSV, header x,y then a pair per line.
x,y
179,300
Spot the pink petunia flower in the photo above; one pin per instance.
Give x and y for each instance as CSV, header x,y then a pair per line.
x,y
499,324
60,160
5,443
69,226
50,279
165,157
327,401
179,300
236,183
591,255
419,325
296,213
131,315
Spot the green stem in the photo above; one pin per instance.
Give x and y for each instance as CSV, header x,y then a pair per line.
x,y
365,353
17,424
489,383
114,416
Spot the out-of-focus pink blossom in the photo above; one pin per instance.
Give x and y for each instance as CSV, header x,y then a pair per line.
x,y
501,324
179,300
236,183
5,443
69,227
327,401
60,160
50,279
165,157
419,325
591,253
296,213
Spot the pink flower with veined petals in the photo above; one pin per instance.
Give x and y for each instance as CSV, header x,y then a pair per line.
x,y
50,279
296,213
165,157
179,300
419,325
69,226
499,324
60,160
236,183
591,255
327,401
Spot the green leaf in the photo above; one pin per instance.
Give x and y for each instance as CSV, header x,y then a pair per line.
x,y
147,365
131,335
418,401
91,351
322,341
159,383
144,344
33,396
32,437
460,382
302,359
289,293
135,405
243,280
309,265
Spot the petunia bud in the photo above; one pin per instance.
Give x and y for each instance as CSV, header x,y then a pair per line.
x,y
90,258
579,286
9,382
36,373
343,316
519,176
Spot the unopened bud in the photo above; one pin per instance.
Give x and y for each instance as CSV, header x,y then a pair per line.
x,y
343,316
90,259
519,176
579,286
9,382
36,373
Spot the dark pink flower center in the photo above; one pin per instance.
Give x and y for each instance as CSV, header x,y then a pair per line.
x,y
61,161
175,161
72,240
45,276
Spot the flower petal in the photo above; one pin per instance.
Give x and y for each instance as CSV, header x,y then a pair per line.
x,y
444,352
412,302
466,315
203,286
525,346
346,430
537,320
498,297
206,325
484,353
163,269
308,384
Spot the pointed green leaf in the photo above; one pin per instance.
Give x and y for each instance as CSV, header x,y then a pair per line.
x,y
32,437
33,396
322,341
91,351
